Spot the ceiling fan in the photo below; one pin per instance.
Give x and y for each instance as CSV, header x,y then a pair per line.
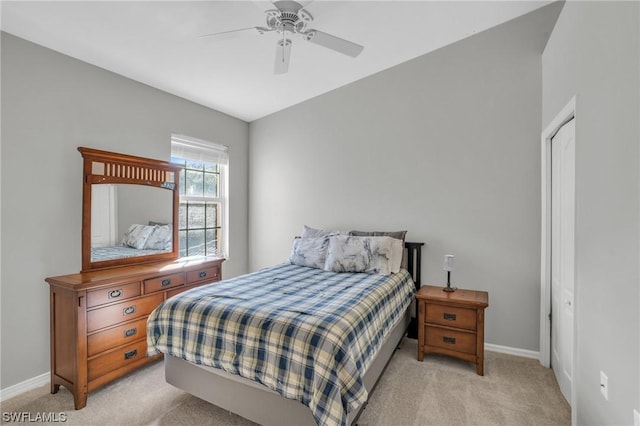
x,y
290,18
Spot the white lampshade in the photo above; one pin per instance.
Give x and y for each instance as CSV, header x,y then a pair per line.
x,y
448,262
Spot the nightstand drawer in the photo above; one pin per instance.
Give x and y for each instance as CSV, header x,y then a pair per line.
x,y
163,283
458,341
451,316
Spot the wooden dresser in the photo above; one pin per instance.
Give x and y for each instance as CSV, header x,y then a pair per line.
x,y
99,318
452,323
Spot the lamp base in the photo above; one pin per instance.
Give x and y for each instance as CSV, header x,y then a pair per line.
x,y
448,288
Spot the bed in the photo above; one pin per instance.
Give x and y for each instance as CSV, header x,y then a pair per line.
x,y
288,344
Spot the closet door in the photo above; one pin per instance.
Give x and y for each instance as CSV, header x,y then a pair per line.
x,y
562,255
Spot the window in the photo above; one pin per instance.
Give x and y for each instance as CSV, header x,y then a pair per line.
x,y
202,222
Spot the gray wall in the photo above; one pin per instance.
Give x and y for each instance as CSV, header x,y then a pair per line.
x,y
139,204
593,53
52,104
446,146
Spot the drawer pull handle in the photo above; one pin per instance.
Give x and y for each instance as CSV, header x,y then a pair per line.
x,y
130,332
130,354
449,317
129,310
115,293
202,274
166,282
450,340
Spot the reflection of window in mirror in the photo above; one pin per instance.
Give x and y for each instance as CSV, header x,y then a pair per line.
x,y
203,196
104,215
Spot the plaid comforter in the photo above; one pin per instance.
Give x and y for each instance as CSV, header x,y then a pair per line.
x,y
305,333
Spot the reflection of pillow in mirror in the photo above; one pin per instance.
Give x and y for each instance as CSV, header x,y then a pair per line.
x,y
160,238
136,236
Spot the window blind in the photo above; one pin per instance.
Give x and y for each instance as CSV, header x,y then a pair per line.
x,y
198,150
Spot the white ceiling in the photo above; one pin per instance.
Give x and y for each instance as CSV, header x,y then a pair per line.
x,y
158,43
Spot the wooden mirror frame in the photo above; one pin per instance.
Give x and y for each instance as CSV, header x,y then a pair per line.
x,y
125,169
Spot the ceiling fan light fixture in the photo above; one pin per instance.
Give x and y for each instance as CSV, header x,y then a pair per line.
x,y
283,54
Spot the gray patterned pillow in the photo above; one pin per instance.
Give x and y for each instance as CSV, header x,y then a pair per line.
x,y
160,238
309,232
371,255
136,236
393,234
311,252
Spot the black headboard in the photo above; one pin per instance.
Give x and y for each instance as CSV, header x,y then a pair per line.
x,y
414,268
413,261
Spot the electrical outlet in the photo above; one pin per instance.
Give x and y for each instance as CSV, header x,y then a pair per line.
x,y
636,418
604,385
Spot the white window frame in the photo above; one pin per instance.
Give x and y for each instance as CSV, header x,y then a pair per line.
x,y
193,149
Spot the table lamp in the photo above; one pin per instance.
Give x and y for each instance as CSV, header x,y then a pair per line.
x,y
448,266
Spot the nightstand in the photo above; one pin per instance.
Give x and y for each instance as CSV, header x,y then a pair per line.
x,y
452,323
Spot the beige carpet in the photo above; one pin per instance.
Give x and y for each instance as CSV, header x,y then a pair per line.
x,y
439,391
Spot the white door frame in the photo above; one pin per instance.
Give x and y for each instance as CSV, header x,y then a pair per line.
x,y
565,115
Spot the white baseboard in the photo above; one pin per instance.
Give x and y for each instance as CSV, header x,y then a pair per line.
x,y
526,353
22,387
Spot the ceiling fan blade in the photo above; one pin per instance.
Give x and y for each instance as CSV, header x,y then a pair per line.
x,y
283,53
332,42
230,31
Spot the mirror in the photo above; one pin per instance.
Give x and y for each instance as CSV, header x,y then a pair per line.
x,y
115,208
130,209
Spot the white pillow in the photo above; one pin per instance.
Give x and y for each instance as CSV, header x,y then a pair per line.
x,y
136,236
309,232
371,255
311,252
160,238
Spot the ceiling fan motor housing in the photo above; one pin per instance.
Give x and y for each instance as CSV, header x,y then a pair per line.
x,y
289,16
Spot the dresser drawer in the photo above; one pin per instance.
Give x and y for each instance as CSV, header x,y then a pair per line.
x,y
113,294
116,359
179,290
164,282
205,274
458,341
123,311
451,316
117,336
